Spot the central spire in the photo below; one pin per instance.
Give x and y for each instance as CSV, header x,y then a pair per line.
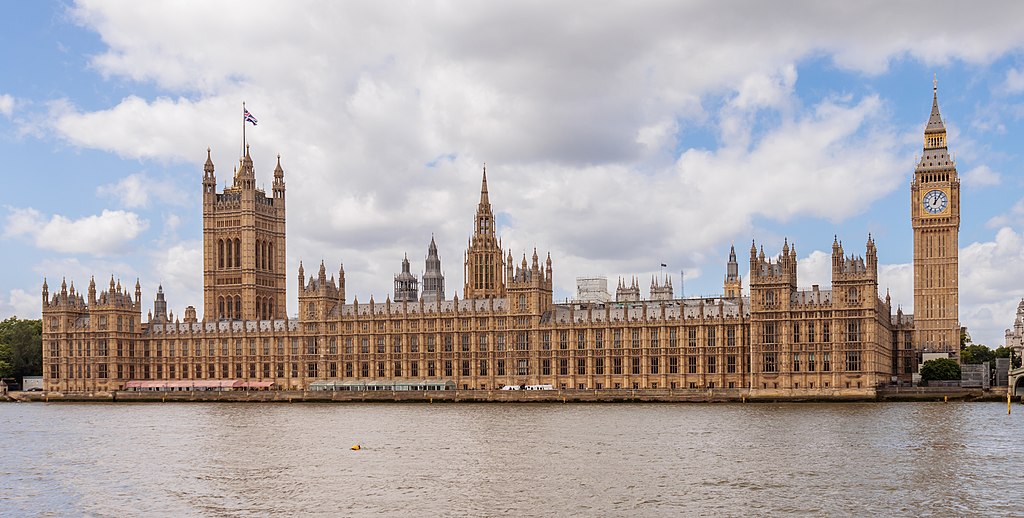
x,y
484,261
935,131
484,216
484,201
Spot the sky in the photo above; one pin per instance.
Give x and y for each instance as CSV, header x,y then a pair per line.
x,y
618,136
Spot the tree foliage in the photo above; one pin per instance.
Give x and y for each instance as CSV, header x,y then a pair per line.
x,y
6,369
977,354
21,347
940,369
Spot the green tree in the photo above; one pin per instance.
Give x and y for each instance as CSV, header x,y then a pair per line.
x,y
940,369
23,342
6,369
976,354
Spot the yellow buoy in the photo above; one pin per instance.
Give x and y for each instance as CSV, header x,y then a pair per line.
x,y
357,447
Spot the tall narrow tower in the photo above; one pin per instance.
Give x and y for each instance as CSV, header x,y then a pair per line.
x,y
935,216
433,277
484,261
243,246
733,286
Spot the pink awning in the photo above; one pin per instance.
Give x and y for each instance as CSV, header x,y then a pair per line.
x,y
183,384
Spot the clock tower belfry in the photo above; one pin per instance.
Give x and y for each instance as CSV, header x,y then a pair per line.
x,y
935,217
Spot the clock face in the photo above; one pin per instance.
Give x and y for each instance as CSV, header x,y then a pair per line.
x,y
935,201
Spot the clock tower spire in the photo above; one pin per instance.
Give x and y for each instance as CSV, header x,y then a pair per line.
x,y
935,218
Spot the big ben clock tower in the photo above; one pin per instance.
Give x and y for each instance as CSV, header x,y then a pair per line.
x,y
935,216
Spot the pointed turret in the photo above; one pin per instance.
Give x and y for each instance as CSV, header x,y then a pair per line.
x,y
208,166
209,180
733,283
406,284
341,282
245,176
159,306
732,267
433,277
278,180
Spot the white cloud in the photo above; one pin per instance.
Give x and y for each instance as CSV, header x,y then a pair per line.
x,y
107,233
1013,217
21,304
132,191
816,268
136,128
179,269
1014,80
981,176
78,273
137,190
987,299
578,110
6,105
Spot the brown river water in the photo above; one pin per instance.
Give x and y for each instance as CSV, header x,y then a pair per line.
x,y
219,459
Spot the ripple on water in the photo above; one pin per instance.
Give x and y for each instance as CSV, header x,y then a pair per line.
x,y
539,460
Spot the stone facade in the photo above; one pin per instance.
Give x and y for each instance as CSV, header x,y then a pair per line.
x,y
243,246
507,330
935,217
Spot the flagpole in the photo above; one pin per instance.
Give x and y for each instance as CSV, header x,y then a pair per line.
x,y
243,128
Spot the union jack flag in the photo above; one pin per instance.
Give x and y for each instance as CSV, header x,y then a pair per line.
x,y
249,118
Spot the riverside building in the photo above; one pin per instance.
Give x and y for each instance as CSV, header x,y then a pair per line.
x,y
506,329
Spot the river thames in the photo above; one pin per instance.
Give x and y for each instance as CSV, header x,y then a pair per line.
x,y
186,459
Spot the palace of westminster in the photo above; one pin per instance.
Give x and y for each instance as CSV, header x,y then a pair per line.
x,y
506,330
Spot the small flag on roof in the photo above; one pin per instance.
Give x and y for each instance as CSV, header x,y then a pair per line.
x,y
249,118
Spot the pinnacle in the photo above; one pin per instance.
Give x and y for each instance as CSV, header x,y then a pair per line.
x,y
484,200
935,124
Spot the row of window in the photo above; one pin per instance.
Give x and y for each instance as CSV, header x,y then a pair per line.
x,y
230,307
807,332
229,254
430,343
810,362
581,367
